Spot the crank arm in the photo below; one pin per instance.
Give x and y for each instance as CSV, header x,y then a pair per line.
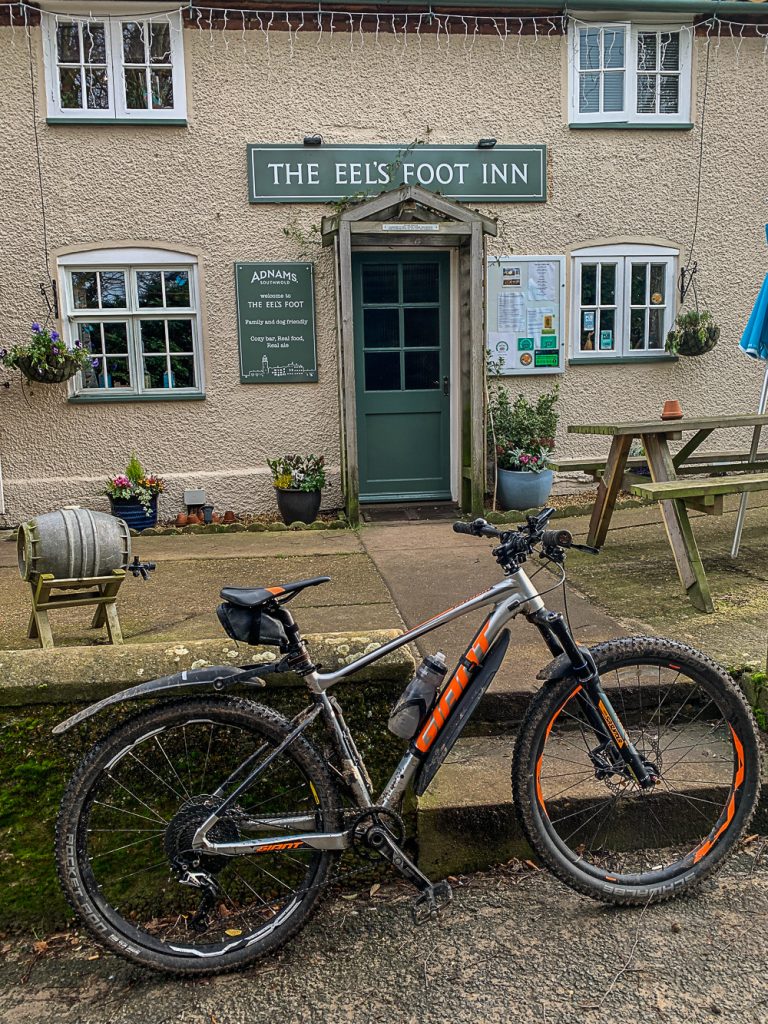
x,y
382,842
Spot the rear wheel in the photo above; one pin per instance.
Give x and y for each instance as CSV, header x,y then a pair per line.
x,y
589,820
127,820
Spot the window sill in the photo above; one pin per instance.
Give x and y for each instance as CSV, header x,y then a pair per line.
x,y
174,122
640,126
94,399
617,360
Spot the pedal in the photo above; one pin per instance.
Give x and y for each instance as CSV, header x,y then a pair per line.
x,y
430,902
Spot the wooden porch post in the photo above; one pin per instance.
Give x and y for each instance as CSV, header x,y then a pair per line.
x,y
477,368
347,370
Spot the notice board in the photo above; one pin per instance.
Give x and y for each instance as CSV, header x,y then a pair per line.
x,y
276,322
525,313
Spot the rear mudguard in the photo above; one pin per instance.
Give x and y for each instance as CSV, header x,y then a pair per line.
x,y
216,677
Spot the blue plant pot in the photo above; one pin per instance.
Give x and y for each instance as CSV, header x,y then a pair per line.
x,y
521,489
134,514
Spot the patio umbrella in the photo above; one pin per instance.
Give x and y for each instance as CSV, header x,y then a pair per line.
x,y
754,342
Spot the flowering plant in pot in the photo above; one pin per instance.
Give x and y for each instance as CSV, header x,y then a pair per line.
x,y
298,481
45,358
694,334
133,495
523,433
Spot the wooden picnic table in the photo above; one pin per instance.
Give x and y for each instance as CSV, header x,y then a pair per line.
x,y
655,436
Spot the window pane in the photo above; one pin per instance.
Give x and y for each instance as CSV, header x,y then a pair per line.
x,y
658,283
112,289
177,288
118,373
382,371
133,43
150,288
656,328
180,335
613,91
608,284
380,282
94,43
670,51
96,88
589,284
381,328
606,339
160,43
153,335
162,88
115,338
422,371
136,88
421,282
90,337
637,329
68,43
646,51
182,372
421,327
613,48
589,94
646,94
669,94
70,88
589,48
156,372
638,280
587,338
85,293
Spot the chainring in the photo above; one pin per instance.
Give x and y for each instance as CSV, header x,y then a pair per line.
x,y
384,817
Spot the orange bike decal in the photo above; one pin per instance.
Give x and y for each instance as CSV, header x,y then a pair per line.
x,y
273,847
452,692
708,843
611,724
552,721
275,590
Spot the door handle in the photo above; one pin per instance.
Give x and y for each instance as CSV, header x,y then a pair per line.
x,y
446,389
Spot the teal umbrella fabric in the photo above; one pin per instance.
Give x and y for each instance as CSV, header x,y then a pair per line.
x,y
754,341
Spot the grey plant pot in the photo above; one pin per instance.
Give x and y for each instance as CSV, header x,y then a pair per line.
x,y
521,489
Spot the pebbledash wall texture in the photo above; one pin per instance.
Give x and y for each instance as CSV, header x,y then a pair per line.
x,y
184,188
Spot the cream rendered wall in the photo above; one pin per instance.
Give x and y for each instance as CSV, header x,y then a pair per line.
x,y
185,187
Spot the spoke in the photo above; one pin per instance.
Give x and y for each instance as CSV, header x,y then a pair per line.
x,y
673,719
170,765
186,756
249,886
127,846
207,756
162,781
123,810
133,831
276,879
158,817
140,871
573,785
590,818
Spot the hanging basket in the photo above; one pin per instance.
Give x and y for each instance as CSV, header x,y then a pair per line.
x,y
694,334
47,374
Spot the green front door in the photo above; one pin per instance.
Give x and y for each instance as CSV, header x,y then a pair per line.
x,y
402,360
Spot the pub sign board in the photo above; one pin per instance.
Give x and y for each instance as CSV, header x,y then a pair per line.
x,y
325,174
276,322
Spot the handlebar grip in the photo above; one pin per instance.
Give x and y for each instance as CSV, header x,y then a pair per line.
x,y
557,538
467,528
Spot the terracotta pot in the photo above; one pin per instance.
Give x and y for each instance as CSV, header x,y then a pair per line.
x,y
217,517
672,410
229,517
182,519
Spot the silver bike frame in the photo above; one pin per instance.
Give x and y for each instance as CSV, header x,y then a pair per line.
x,y
511,597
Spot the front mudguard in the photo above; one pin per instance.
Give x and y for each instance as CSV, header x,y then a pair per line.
x,y
562,666
216,678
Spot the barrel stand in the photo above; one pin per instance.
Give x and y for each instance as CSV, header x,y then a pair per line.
x,y
96,590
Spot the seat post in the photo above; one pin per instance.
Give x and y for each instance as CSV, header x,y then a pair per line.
x,y
299,659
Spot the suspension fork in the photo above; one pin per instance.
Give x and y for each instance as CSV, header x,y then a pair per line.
x,y
592,698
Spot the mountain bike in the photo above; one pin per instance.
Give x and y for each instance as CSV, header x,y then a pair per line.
x,y
200,834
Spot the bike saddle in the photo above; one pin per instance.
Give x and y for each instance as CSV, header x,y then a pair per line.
x,y
251,597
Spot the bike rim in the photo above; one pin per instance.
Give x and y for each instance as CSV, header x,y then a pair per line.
x,y
603,823
142,808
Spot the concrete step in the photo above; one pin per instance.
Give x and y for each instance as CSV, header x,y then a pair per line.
x,y
466,819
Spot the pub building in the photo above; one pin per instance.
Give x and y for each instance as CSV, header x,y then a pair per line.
x,y
286,228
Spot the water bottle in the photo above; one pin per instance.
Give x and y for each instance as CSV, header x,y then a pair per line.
x,y
418,697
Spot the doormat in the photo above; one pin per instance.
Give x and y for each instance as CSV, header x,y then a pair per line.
x,y
410,513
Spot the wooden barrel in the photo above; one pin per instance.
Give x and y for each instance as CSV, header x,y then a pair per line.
x,y
73,543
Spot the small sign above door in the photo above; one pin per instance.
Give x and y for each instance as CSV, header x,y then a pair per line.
x,y
276,322
324,174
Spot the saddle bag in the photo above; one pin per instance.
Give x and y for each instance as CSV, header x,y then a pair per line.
x,y
251,625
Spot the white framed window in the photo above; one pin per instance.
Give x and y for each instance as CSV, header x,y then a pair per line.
x,y
122,68
137,311
622,301
629,73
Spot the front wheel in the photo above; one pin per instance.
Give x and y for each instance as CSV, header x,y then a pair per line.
x,y
587,817
127,820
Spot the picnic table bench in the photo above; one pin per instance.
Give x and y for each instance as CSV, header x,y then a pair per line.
x,y
675,496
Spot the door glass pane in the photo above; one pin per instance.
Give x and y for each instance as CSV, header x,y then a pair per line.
x,y
133,42
380,282
613,91
150,287
658,283
589,94
85,294
589,48
136,88
656,328
115,338
421,282
70,88
608,284
94,43
421,327
670,51
112,289
637,286
381,328
422,371
153,335
589,284
646,51
177,288
162,88
637,329
382,371
646,94
160,43
68,43
669,94
180,335
613,48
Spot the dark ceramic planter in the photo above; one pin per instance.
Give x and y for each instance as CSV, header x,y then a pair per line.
x,y
134,514
297,506
521,489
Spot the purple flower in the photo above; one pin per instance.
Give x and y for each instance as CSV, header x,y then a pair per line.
x,y
54,335
36,328
55,350
95,364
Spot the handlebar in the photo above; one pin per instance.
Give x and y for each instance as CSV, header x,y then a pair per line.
x,y
517,544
